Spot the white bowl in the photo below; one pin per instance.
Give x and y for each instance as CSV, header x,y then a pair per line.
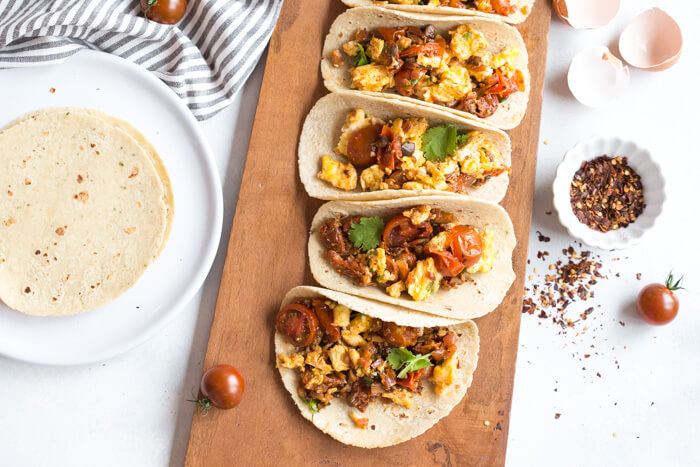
x,y
641,160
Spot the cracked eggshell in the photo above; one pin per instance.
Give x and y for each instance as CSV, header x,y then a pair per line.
x,y
596,76
586,14
652,41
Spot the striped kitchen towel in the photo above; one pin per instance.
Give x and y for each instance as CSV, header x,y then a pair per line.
x,y
205,58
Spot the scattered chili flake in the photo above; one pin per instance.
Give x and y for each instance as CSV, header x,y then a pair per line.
x,y
52,90
639,276
542,238
606,193
556,416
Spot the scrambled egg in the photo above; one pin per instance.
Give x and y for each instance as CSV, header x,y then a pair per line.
x,y
488,253
351,338
350,48
432,176
355,119
343,176
371,77
360,324
453,84
418,215
372,179
467,42
374,49
444,375
341,315
339,357
317,360
506,58
376,262
423,280
434,61
291,361
395,289
400,396
354,356
440,242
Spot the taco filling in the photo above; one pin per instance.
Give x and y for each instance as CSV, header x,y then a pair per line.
x,y
499,7
456,71
342,354
418,251
408,154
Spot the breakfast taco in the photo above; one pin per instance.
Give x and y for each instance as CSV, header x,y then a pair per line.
x,y
472,67
358,147
370,374
441,255
510,11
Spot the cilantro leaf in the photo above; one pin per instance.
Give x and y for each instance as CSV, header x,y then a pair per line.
x,y
367,233
439,141
361,58
467,35
400,357
442,141
462,138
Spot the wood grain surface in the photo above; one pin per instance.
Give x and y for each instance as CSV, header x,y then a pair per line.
x,y
267,257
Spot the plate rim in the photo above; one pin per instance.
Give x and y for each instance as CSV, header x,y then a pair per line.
x,y
213,241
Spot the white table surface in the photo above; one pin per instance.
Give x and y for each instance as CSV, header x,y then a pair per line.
x,y
131,410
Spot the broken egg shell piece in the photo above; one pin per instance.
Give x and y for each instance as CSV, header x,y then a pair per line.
x,y
596,76
652,41
586,14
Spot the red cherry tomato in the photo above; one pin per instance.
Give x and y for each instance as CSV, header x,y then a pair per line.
x,y
503,7
445,262
466,244
657,304
391,34
331,333
388,155
360,145
414,377
400,230
408,77
298,323
223,386
164,11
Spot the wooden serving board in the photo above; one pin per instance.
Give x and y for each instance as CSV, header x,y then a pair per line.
x,y
267,257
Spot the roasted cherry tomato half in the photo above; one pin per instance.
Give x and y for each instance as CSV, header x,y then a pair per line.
x,y
399,336
298,323
324,313
222,386
408,77
446,263
503,7
164,11
657,304
429,49
390,153
360,144
400,230
466,244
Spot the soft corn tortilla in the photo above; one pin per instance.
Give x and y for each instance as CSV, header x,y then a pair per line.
x,y
497,34
322,129
476,297
515,18
83,213
131,130
393,424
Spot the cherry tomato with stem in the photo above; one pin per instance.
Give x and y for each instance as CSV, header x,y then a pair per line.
x,y
657,304
164,11
222,387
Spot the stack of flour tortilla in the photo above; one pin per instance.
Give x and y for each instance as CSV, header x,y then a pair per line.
x,y
85,207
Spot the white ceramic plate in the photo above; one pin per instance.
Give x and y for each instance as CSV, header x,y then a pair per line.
x,y
96,80
641,160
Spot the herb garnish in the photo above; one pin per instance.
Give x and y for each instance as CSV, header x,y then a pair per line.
x,y
400,357
367,233
361,58
442,141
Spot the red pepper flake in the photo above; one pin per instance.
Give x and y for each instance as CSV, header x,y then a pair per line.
x,y
606,193
556,416
52,90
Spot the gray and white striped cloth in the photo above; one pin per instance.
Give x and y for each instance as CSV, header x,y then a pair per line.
x,y
205,58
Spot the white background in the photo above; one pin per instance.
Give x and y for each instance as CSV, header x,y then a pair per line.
x,y
131,410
